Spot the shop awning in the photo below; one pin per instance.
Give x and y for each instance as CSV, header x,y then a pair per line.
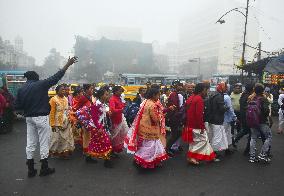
x,y
275,65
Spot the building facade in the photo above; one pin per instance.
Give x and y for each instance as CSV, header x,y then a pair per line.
x,y
98,57
14,55
170,53
219,47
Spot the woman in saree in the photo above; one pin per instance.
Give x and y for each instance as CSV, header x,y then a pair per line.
x,y
94,119
146,138
62,142
119,127
86,100
194,131
76,128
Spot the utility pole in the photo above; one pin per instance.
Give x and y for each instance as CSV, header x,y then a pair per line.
x,y
199,73
221,21
244,43
259,58
259,51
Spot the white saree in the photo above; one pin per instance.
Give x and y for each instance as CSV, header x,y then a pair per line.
x,y
200,148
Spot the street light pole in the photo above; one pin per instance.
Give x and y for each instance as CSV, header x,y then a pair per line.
x,y
244,43
221,21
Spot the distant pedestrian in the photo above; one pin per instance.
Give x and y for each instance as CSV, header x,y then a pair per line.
x,y
140,97
189,89
235,97
67,94
165,95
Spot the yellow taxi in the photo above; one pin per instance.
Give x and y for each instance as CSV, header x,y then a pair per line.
x,y
130,92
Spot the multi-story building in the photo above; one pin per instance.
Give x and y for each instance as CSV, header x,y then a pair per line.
x,y
171,51
7,53
161,61
19,44
105,55
14,55
218,47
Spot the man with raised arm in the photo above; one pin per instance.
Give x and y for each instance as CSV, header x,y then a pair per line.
x,y
32,99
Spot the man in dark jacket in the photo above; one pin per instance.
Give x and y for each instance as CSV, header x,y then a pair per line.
x,y
217,109
33,99
262,128
243,109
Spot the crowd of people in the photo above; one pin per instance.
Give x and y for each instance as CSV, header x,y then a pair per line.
x,y
156,126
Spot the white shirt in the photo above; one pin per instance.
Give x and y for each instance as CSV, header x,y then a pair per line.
x,y
281,97
180,97
164,98
122,97
104,109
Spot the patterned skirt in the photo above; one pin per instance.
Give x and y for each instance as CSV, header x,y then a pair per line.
x,y
62,141
96,142
150,153
100,144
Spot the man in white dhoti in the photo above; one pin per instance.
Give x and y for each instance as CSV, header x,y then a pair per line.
x,y
217,109
229,117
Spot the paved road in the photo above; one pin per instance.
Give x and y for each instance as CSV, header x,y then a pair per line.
x,y
233,176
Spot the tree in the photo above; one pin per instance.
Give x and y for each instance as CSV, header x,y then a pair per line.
x,y
52,62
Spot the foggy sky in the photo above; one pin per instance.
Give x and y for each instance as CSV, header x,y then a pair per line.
x,y
44,24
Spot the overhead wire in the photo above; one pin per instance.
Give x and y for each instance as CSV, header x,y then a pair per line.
x,y
263,30
260,12
278,20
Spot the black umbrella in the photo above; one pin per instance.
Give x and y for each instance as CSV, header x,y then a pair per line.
x,y
275,65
